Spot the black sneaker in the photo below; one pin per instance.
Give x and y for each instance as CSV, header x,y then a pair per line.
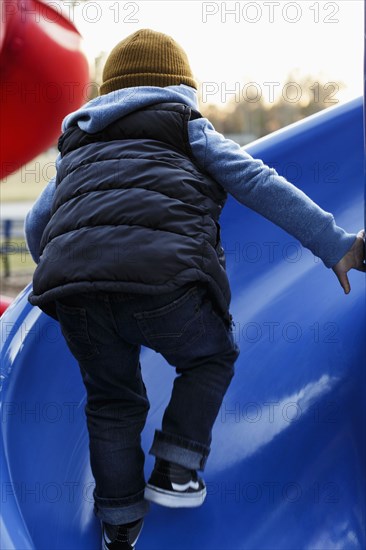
x,y
121,537
174,486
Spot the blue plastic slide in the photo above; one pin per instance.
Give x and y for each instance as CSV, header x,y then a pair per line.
x,y
287,466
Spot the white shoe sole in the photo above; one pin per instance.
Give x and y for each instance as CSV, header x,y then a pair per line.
x,y
174,500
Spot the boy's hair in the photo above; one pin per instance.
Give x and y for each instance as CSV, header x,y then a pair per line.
x,y
146,58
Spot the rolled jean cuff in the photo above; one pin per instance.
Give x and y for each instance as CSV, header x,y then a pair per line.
x,y
185,452
117,511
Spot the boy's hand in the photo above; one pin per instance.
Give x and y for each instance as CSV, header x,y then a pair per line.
x,y
354,259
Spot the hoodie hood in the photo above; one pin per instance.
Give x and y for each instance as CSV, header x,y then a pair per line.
x,y
102,111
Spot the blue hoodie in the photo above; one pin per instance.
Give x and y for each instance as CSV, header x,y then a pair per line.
x,y
247,179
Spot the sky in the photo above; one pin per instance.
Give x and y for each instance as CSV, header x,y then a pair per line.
x,y
231,44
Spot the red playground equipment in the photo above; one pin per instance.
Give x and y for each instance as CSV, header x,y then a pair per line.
x,y
43,75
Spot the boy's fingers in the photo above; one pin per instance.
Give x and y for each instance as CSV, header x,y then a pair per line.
x,y
343,279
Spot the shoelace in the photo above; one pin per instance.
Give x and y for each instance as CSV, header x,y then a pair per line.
x,y
122,537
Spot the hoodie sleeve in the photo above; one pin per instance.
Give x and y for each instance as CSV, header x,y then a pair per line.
x,y
37,219
262,189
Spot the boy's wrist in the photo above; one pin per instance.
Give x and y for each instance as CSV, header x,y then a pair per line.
x,y
332,244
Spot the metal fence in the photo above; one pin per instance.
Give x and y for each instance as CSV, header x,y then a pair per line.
x,y
12,241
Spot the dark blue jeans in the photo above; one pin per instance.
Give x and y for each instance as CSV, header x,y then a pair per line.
x,y
104,332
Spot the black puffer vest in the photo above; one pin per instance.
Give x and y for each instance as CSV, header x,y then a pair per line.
x,y
132,212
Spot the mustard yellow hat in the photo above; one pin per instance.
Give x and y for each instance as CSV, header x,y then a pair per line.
x,y
146,58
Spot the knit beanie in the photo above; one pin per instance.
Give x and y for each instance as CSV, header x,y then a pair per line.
x,y
146,58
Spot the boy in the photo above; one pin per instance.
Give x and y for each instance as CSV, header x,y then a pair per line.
x,y
127,241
